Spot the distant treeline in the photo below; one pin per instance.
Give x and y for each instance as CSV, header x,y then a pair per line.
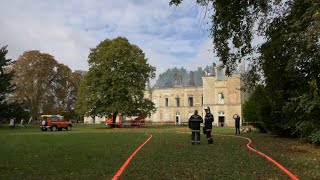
x,y
168,78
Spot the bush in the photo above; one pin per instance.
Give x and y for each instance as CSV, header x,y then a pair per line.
x,y
315,137
259,126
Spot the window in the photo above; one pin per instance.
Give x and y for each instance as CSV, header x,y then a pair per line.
x,y
178,102
190,101
221,98
166,102
202,100
54,118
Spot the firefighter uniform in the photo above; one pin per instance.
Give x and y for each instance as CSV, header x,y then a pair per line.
x,y
208,120
194,124
236,118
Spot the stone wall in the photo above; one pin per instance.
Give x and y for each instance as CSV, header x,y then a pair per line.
x,y
168,112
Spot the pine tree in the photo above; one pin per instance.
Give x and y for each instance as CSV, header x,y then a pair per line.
x,y
5,83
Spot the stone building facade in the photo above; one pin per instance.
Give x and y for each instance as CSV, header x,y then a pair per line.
x,y
219,92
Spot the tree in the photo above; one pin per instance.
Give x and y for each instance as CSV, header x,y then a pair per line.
x,y
116,80
257,108
286,65
232,22
75,80
6,88
294,61
44,85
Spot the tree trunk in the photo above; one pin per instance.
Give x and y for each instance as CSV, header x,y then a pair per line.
x,y
114,117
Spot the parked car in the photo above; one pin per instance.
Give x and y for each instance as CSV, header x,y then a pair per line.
x,y
54,122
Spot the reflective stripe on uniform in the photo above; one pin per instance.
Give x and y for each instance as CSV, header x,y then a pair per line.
x,y
195,130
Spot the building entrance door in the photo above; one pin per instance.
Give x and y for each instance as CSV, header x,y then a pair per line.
x,y
221,121
177,120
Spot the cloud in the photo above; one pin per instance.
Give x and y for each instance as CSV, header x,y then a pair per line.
x,y
170,36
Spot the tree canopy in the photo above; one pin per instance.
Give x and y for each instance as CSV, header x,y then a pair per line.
x,y
44,85
285,67
116,80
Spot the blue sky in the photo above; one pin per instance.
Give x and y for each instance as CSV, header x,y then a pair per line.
x,y
67,29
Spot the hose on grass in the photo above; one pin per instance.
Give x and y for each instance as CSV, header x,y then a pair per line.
x,y
118,174
281,167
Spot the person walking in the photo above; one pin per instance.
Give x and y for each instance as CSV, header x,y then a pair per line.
x,y
194,124
236,118
208,120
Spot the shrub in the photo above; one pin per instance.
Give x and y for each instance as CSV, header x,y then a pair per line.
x,y
315,137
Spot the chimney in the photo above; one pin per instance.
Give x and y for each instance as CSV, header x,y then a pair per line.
x,y
214,69
191,81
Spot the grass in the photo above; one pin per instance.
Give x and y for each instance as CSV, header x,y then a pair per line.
x,y
299,157
83,153
176,158
97,152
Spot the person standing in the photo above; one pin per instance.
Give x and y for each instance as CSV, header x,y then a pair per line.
x,y
194,124
208,120
236,118
11,124
22,122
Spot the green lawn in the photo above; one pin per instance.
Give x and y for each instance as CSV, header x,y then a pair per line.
x,y
97,152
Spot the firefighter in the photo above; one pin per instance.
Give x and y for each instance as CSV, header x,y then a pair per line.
x,y
194,124
208,120
236,118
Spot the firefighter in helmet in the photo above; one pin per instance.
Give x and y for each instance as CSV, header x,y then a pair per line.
x,y
208,120
194,124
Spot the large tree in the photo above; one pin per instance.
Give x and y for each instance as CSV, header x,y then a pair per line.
x,y
290,60
5,86
287,64
72,98
116,80
43,84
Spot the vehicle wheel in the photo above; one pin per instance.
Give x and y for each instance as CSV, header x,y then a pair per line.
x,y
68,128
44,129
54,128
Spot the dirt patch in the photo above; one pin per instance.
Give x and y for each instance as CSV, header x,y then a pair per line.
x,y
128,129
183,132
